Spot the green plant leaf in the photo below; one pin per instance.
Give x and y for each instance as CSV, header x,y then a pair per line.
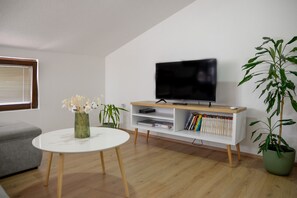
x,y
271,101
251,65
262,52
253,59
290,85
285,122
292,59
292,40
123,109
280,49
253,133
294,49
258,137
245,79
255,122
278,42
266,38
262,93
272,72
288,123
272,53
284,142
267,142
259,48
268,97
283,75
293,102
293,72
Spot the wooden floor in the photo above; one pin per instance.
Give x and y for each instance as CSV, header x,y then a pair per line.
x,y
157,169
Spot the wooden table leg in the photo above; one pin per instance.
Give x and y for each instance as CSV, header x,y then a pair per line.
x,y
147,135
49,164
229,154
238,152
102,162
122,171
135,135
60,174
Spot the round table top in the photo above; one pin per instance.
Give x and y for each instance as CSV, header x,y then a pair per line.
x,y
63,141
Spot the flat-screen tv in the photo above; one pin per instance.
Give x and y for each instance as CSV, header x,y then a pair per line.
x,y
187,80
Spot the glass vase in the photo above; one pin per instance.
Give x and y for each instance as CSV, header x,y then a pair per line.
x,y
81,125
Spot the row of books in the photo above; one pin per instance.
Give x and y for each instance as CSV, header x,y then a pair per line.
x,y
156,123
210,124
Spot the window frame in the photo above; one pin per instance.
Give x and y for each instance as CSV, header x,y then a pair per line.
x,y
23,62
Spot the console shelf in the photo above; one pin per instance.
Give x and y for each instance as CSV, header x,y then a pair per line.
x,y
177,115
155,115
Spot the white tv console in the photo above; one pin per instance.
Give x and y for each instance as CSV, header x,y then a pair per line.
x,y
178,115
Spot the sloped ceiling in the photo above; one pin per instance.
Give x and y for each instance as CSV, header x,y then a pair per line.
x,y
91,27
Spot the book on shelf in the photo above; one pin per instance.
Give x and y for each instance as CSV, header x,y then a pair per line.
x,y
209,124
193,122
197,122
189,121
218,125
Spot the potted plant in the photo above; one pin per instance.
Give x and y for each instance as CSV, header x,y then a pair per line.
x,y
274,67
109,116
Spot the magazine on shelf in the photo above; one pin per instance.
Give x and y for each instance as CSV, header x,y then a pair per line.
x,y
163,124
150,123
189,121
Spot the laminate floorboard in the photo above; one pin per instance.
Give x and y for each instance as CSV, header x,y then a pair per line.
x,y
158,169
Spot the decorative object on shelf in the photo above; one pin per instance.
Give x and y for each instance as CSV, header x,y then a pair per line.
x,y
109,116
273,67
81,106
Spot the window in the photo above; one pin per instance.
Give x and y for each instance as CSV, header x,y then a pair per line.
x,y
18,84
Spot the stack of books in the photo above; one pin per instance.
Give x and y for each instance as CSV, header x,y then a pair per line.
x,y
163,124
156,123
194,122
148,122
210,124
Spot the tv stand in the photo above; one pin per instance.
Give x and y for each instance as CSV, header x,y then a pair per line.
x,y
161,101
229,131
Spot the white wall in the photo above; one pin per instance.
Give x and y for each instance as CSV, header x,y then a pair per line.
x,y
60,76
227,30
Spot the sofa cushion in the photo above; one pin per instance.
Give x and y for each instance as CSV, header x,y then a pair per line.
x,y
17,130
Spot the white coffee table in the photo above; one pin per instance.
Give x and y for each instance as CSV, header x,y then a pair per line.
x,y
63,142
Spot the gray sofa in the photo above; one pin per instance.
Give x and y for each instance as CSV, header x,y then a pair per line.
x,y
16,151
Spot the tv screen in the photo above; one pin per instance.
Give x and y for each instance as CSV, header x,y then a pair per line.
x,y
187,80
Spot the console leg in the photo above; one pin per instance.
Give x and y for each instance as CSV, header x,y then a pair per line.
x,y
238,152
147,135
229,154
135,135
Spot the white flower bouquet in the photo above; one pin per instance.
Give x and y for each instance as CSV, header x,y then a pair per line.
x,y
81,104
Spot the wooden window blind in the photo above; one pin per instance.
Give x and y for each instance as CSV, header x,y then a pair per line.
x,y
18,84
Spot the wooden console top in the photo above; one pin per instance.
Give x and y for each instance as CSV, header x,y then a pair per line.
x,y
198,107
